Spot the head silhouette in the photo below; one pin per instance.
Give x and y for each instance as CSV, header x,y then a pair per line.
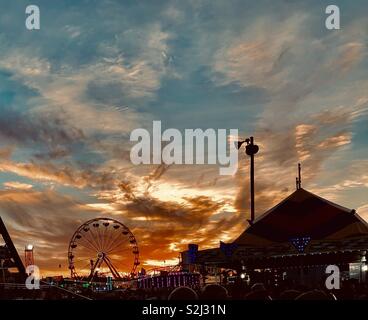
x,y
289,295
314,295
183,293
214,292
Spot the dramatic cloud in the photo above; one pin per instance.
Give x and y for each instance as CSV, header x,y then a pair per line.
x,y
17,185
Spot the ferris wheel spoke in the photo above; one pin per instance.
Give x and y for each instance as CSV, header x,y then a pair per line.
x,y
109,240
114,241
95,238
103,237
82,250
88,235
89,244
119,251
115,247
109,234
92,239
118,244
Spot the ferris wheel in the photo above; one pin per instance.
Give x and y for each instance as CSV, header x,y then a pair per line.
x,y
103,247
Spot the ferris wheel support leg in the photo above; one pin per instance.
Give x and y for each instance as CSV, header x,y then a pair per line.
x,y
94,269
113,270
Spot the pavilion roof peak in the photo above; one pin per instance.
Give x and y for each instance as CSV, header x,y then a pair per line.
x,y
303,213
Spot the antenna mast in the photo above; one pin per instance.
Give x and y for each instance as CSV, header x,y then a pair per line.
x,y
299,178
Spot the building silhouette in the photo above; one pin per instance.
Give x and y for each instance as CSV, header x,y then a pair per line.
x,y
295,241
11,266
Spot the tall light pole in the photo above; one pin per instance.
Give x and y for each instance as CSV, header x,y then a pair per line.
x,y
28,255
251,149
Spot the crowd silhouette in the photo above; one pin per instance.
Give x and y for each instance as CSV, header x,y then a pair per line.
x,y
350,290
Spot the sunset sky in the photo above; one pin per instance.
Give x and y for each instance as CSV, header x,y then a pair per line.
x,y
71,93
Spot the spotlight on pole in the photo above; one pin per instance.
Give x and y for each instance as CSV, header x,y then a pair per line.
x,y
238,144
251,149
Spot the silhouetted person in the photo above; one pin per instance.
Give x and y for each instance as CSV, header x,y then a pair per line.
x,y
314,295
258,287
289,295
258,292
183,293
214,292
